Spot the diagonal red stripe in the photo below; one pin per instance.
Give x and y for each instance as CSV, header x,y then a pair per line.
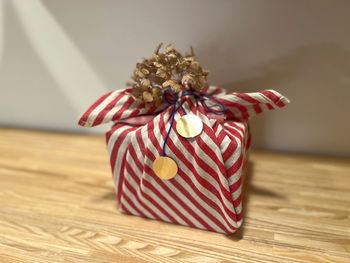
x,y
200,162
86,115
272,96
131,189
98,120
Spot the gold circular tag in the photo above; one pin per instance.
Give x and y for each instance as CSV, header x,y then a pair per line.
x,y
189,126
165,167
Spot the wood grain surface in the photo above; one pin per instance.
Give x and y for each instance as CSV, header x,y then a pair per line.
x,y
57,204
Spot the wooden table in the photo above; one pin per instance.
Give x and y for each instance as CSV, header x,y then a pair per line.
x,y
57,204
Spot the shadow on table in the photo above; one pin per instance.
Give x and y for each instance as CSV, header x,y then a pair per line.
x,y
109,196
248,190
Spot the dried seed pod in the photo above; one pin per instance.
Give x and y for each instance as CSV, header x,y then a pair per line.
x,y
177,88
146,83
172,56
168,83
169,48
139,74
145,71
187,78
165,70
189,59
162,74
147,96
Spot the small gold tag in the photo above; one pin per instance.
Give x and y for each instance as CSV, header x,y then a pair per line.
x,y
165,167
189,126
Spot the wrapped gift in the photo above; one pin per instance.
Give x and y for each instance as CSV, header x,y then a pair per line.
x,y
178,153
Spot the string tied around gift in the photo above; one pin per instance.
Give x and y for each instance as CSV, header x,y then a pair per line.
x,y
191,121
188,126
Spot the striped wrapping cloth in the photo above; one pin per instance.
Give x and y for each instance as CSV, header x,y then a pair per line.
x,y
206,193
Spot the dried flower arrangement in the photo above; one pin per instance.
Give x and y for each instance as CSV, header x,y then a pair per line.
x,y
164,70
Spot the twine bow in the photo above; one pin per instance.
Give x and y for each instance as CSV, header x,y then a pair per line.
x,y
172,99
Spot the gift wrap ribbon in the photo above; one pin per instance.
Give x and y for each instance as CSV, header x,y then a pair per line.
x,y
188,126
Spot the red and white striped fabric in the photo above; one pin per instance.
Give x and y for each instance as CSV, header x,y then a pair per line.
x,y
207,191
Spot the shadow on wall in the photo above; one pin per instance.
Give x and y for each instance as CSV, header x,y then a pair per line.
x,y
18,64
317,81
42,71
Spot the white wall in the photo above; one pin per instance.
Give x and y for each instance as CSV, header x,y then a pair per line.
x,y
57,57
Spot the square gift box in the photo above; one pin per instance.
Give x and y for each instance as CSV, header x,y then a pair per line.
x,y
206,191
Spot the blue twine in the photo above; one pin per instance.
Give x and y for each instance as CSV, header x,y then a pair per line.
x,y
190,92
193,92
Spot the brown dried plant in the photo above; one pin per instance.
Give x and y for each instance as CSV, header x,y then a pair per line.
x,y
165,70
